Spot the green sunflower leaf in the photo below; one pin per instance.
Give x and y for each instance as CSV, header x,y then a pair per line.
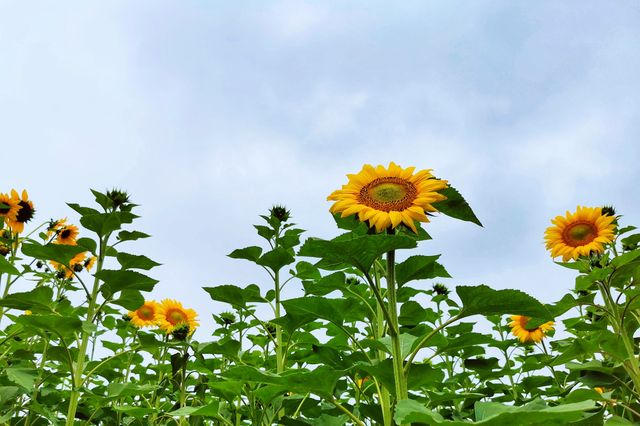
x,y
249,253
130,299
483,300
37,299
60,253
456,206
7,268
420,268
276,259
131,235
118,280
25,377
132,261
359,251
235,296
106,223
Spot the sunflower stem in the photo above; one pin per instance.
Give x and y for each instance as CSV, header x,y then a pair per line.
x,y
396,349
78,370
383,392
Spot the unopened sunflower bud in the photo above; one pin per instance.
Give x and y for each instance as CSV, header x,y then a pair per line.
x,y
4,250
608,211
118,198
440,289
60,275
351,281
39,264
280,213
227,318
271,329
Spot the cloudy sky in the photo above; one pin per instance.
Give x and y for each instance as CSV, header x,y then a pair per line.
x,y
210,112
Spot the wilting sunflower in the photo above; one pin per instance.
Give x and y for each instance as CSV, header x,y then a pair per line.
x,y
578,234
75,264
518,329
388,196
8,207
145,315
171,314
67,235
24,215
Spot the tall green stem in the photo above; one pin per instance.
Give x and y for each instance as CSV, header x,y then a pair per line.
x,y
279,353
78,370
396,349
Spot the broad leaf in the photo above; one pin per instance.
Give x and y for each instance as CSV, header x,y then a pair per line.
x,y
483,300
235,296
60,253
132,261
118,280
420,268
456,206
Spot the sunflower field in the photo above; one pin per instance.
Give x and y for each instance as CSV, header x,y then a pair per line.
x,y
375,338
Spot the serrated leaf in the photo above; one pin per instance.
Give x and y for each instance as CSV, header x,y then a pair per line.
x,y
357,251
249,253
38,299
118,280
235,296
131,235
456,206
25,377
276,259
132,261
483,300
60,253
130,299
420,268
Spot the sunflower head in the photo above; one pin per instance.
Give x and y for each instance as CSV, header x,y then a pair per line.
x,y
54,225
67,235
145,315
580,233
386,197
119,198
172,314
25,212
8,207
519,329
75,265
88,264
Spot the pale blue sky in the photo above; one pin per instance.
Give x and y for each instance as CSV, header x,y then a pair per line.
x,y
210,112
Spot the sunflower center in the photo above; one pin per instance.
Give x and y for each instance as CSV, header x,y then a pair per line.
x,y
4,208
65,234
388,193
175,316
146,313
25,214
579,234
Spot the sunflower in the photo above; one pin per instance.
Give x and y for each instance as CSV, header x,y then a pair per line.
x,y
88,264
519,329
580,233
75,264
388,196
172,314
145,315
24,214
67,235
8,207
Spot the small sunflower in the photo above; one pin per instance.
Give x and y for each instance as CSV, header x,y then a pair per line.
x,y
75,264
24,214
580,233
8,207
171,314
145,315
54,225
388,196
67,235
518,328
88,264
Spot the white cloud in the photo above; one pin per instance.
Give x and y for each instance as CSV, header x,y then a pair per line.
x,y
296,20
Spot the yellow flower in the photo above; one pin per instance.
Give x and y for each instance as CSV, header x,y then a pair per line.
x,y
8,207
518,329
55,225
145,315
28,312
388,196
24,214
599,389
578,234
90,262
67,235
171,314
75,264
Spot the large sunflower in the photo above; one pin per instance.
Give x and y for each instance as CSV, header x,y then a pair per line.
x,y
519,329
8,207
24,215
388,196
67,235
145,315
578,234
172,314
